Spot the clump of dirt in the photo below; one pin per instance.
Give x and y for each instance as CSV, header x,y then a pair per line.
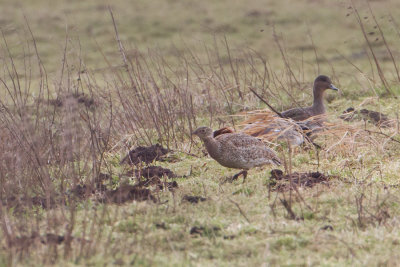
x,y
377,118
193,199
153,175
122,194
145,154
159,183
126,193
204,231
327,227
67,99
147,177
276,174
82,191
23,242
52,239
41,201
161,225
281,182
348,114
86,190
154,171
20,203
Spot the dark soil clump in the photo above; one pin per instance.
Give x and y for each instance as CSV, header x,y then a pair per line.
x,y
348,114
161,225
159,183
193,199
276,174
126,193
20,204
204,231
327,227
23,243
86,190
99,191
281,182
147,177
82,191
68,99
377,118
155,175
171,185
145,154
154,171
52,239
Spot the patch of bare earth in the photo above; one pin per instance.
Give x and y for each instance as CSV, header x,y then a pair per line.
x,y
281,182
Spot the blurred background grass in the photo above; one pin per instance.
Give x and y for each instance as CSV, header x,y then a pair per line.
x,y
171,26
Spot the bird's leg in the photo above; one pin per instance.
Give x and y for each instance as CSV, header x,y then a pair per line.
x,y
238,174
244,176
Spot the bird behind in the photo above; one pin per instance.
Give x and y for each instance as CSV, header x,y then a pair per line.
x,y
237,150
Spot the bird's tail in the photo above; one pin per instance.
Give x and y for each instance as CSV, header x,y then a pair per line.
x,y
276,161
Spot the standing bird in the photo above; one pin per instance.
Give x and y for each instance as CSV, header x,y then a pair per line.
x,y
237,150
321,83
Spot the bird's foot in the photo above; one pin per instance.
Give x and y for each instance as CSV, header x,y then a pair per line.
x,y
236,176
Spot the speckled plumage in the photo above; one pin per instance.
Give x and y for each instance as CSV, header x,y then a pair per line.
x,y
242,151
237,150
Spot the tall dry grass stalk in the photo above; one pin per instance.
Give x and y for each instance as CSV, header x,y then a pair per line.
x,y
53,138
56,135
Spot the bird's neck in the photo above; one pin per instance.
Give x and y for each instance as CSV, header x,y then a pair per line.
x,y
318,103
212,146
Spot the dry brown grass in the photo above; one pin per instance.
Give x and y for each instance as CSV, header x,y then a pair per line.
x,y
69,131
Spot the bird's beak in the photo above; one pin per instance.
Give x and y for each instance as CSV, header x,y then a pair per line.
x,y
194,133
333,87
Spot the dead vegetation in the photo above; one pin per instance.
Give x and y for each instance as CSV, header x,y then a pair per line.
x,y
60,179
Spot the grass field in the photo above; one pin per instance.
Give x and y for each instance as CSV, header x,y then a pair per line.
x,y
79,90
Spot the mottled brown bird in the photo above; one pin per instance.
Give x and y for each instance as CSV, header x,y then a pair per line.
x,y
237,150
321,83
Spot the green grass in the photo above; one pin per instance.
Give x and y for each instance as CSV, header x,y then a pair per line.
x,y
132,233
174,25
241,224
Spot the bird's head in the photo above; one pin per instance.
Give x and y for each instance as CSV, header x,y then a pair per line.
x,y
323,82
203,132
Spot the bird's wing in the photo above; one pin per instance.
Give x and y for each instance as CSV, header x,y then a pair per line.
x,y
297,114
255,148
239,140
